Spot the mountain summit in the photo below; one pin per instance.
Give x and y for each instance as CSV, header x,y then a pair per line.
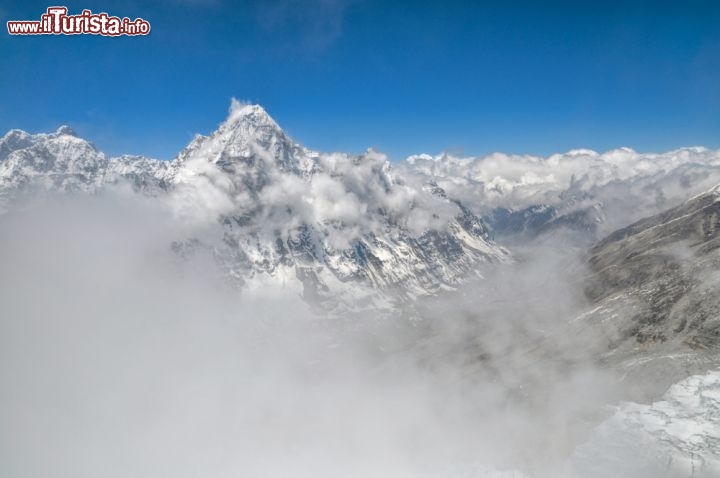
x,y
249,136
341,225
342,229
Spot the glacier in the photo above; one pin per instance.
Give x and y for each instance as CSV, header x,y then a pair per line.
x,y
677,436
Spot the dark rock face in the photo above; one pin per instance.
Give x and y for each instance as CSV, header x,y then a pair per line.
x,y
656,287
525,222
543,222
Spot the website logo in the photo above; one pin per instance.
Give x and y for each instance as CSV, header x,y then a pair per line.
x,y
57,22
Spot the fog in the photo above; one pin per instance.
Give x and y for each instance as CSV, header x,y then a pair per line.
x,y
118,358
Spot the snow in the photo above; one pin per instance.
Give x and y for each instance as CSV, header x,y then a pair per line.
x,y
676,436
355,230
357,219
650,182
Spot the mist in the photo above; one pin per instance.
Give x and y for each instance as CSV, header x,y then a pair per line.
x,y
120,358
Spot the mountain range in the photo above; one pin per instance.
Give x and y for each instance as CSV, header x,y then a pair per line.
x,y
362,229
342,230
362,234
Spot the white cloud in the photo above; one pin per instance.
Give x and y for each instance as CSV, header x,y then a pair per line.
x,y
629,184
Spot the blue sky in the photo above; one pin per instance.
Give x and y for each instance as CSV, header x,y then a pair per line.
x,y
403,77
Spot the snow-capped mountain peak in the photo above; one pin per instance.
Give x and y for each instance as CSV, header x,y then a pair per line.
x,y
250,123
13,140
339,221
65,130
250,114
337,226
249,137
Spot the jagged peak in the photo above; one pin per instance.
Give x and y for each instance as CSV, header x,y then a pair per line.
x,y
248,131
66,130
247,113
12,140
15,133
247,126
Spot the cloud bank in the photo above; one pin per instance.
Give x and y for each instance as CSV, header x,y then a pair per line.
x,y
629,185
119,358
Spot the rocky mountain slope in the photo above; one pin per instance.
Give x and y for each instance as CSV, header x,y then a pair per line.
x,y
656,290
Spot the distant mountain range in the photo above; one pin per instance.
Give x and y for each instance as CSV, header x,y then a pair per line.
x,y
344,230
591,194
